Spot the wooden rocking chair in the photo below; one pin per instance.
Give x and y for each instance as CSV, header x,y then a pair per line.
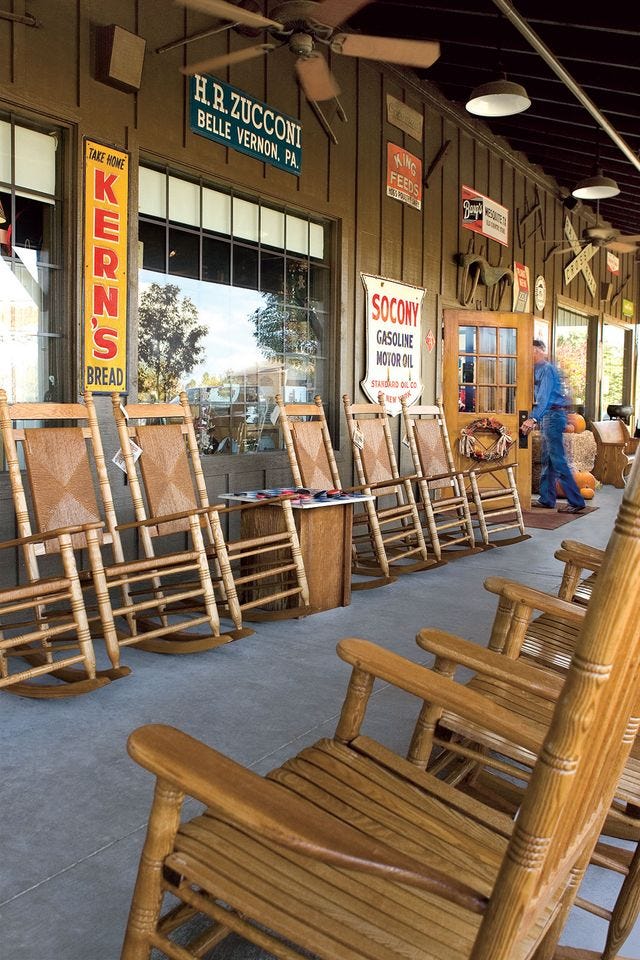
x,y
50,640
313,466
396,536
496,503
68,486
259,577
350,852
443,497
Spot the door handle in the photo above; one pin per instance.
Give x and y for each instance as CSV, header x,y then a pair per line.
x,y
523,440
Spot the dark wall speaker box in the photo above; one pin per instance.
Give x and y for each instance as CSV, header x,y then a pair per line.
x,y
119,57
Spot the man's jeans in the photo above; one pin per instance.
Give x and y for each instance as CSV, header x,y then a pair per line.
x,y
554,462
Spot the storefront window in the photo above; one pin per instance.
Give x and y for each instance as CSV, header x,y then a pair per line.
x,y
571,340
33,352
233,308
613,366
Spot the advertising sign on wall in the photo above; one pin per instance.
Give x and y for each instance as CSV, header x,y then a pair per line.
x,y
106,199
229,116
404,176
393,321
520,288
485,216
613,263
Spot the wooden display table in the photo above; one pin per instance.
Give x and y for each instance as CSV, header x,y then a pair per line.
x,y
324,529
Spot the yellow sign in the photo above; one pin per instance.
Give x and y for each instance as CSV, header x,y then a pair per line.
x,y
106,201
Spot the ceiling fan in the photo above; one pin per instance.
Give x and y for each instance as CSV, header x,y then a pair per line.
x,y
600,236
303,26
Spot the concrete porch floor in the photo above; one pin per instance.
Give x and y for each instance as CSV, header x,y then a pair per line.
x,y
75,806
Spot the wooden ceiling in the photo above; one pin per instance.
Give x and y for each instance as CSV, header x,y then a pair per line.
x,y
599,46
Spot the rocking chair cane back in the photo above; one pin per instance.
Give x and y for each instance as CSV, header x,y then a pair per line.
x,y
52,642
264,570
313,465
350,852
448,518
68,484
397,534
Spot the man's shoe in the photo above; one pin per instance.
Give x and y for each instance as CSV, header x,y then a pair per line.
x,y
570,509
539,503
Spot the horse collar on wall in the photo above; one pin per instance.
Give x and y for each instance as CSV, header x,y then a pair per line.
x,y
477,269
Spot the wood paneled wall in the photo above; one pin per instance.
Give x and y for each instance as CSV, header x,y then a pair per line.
x,y
49,71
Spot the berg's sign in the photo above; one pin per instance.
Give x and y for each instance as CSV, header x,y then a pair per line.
x,y
222,113
485,216
394,341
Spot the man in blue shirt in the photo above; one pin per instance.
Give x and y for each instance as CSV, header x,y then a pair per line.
x,y
550,411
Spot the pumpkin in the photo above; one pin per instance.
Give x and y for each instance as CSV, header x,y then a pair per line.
x,y
578,421
586,493
585,479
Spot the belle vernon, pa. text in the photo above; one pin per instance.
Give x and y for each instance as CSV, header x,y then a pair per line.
x,y
247,124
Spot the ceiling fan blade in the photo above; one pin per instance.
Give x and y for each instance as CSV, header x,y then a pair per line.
x,y
619,246
316,79
629,237
225,59
411,53
229,11
332,13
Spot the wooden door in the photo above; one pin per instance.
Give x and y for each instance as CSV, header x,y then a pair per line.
x,y
488,372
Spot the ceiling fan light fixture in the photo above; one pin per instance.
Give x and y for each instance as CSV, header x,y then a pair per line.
x,y
597,187
499,98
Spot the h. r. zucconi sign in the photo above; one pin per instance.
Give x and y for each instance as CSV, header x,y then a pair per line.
x,y
106,200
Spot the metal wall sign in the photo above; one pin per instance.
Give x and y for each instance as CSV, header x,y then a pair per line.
x,y
229,116
484,216
404,117
106,201
404,176
581,260
393,323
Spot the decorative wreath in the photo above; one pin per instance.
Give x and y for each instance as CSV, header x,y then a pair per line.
x,y
497,451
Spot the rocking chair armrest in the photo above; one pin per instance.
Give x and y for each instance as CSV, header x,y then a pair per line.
x,y
536,599
391,482
51,534
488,663
443,476
169,517
580,552
424,683
267,809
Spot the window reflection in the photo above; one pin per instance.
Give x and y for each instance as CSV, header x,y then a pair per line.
x,y
508,341
486,339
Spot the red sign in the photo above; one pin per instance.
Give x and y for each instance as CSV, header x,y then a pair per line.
x,y
404,176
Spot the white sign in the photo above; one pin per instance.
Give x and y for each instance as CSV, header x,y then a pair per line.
x,y
393,323
484,216
540,292
613,262
580,263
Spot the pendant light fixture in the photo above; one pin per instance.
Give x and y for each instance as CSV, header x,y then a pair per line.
x,y
500,97
597,186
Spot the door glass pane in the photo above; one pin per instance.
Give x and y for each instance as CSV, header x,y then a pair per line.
x,y
467,340
486,369
486,339
487,399
467,400
466,370
508,341
507,370
509,400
